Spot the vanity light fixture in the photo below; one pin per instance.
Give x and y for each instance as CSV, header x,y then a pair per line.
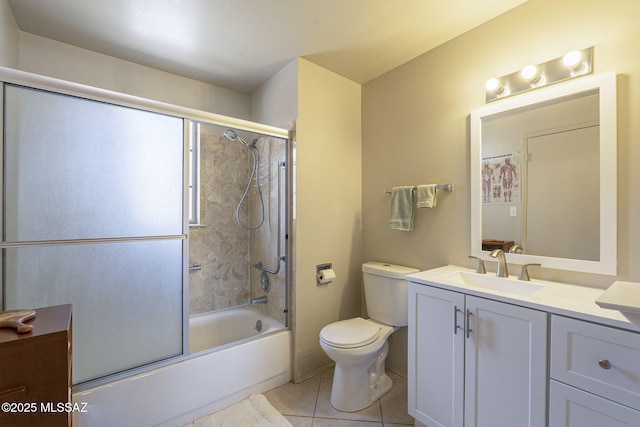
x,y
530,73
574,61
493,85
573,64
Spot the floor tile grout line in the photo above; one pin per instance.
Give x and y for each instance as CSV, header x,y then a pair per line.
x,y
315,407
317,418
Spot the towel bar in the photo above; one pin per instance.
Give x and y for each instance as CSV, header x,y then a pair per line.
x,y
445,187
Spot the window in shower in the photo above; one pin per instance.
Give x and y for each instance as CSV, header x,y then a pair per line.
x,y
194,174
93,216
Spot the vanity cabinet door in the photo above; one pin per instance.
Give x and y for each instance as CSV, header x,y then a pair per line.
x,y
436,356
505,365
475,362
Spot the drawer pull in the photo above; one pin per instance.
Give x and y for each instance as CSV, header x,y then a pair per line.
x,y
604,364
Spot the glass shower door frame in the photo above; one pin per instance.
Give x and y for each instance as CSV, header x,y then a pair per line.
x,y
188,115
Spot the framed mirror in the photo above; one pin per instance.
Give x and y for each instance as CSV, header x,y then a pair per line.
x,y
543,176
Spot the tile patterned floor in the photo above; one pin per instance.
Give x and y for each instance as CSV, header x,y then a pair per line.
x,y
307,404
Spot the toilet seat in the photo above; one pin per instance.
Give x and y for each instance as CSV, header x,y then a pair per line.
x,y
350,333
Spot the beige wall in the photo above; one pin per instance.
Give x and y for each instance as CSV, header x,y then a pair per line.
x,y
8,37
416,126
328,213
47,57
415,123
275,102
413,129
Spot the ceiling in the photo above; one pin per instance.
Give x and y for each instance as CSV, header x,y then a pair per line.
x,y
239,44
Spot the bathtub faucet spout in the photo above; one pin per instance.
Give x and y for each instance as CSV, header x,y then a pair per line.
x,y
261,300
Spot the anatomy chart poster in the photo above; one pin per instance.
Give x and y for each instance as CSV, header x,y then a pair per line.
x,y
501,179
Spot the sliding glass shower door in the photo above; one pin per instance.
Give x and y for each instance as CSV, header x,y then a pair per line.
x,y
93,216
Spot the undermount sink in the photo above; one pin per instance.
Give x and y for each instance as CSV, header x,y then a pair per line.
x,y
501,284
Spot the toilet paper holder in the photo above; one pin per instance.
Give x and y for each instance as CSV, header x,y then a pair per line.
x,y
324,277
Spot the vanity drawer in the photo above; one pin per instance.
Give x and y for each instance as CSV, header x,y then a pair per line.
x,y
570,407
601,360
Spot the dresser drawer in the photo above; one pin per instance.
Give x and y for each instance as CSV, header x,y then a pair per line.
x,y
601,360
570,407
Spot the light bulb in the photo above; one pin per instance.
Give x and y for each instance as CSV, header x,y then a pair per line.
x,y
530,74
494,86
572,60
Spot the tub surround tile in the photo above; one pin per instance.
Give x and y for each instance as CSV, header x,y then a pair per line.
x,y
221,246
263,240
225,250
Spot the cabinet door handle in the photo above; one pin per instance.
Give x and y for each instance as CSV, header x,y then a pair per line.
x,y
604,364
456,310
468,324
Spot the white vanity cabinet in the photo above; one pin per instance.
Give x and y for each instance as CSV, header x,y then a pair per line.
x,y
595,375
475,362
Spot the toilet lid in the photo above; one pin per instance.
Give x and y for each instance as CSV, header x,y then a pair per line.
x,y
350,333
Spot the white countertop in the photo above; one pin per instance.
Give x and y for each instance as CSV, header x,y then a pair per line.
x,y
554,297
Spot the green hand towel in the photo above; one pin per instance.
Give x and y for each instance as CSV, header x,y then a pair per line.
x,y
427,196
401,208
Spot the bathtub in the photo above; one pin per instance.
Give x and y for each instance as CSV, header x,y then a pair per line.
x,y
219,328
176,394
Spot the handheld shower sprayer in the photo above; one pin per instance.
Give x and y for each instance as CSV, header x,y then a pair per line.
x,y
231,135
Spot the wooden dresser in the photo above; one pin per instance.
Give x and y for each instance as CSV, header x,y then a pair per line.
x,y
35,371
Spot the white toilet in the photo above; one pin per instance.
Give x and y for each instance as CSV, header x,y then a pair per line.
x,y
359,346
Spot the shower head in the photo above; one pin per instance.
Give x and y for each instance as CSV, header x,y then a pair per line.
x,y
231,135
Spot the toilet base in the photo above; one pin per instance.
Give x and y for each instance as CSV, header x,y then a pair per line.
x,y
356,387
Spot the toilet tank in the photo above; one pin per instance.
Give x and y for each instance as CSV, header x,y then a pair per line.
x,y
385,292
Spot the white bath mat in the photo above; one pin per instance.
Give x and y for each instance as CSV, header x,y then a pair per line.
x,y
254,411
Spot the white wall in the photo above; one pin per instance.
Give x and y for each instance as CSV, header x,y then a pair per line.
x,y
275,102
47,57
329,208
8,37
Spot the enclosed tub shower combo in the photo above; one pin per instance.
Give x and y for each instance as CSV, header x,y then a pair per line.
x,y
165,228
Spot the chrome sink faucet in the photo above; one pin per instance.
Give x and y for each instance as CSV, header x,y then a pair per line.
x,y
502,262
